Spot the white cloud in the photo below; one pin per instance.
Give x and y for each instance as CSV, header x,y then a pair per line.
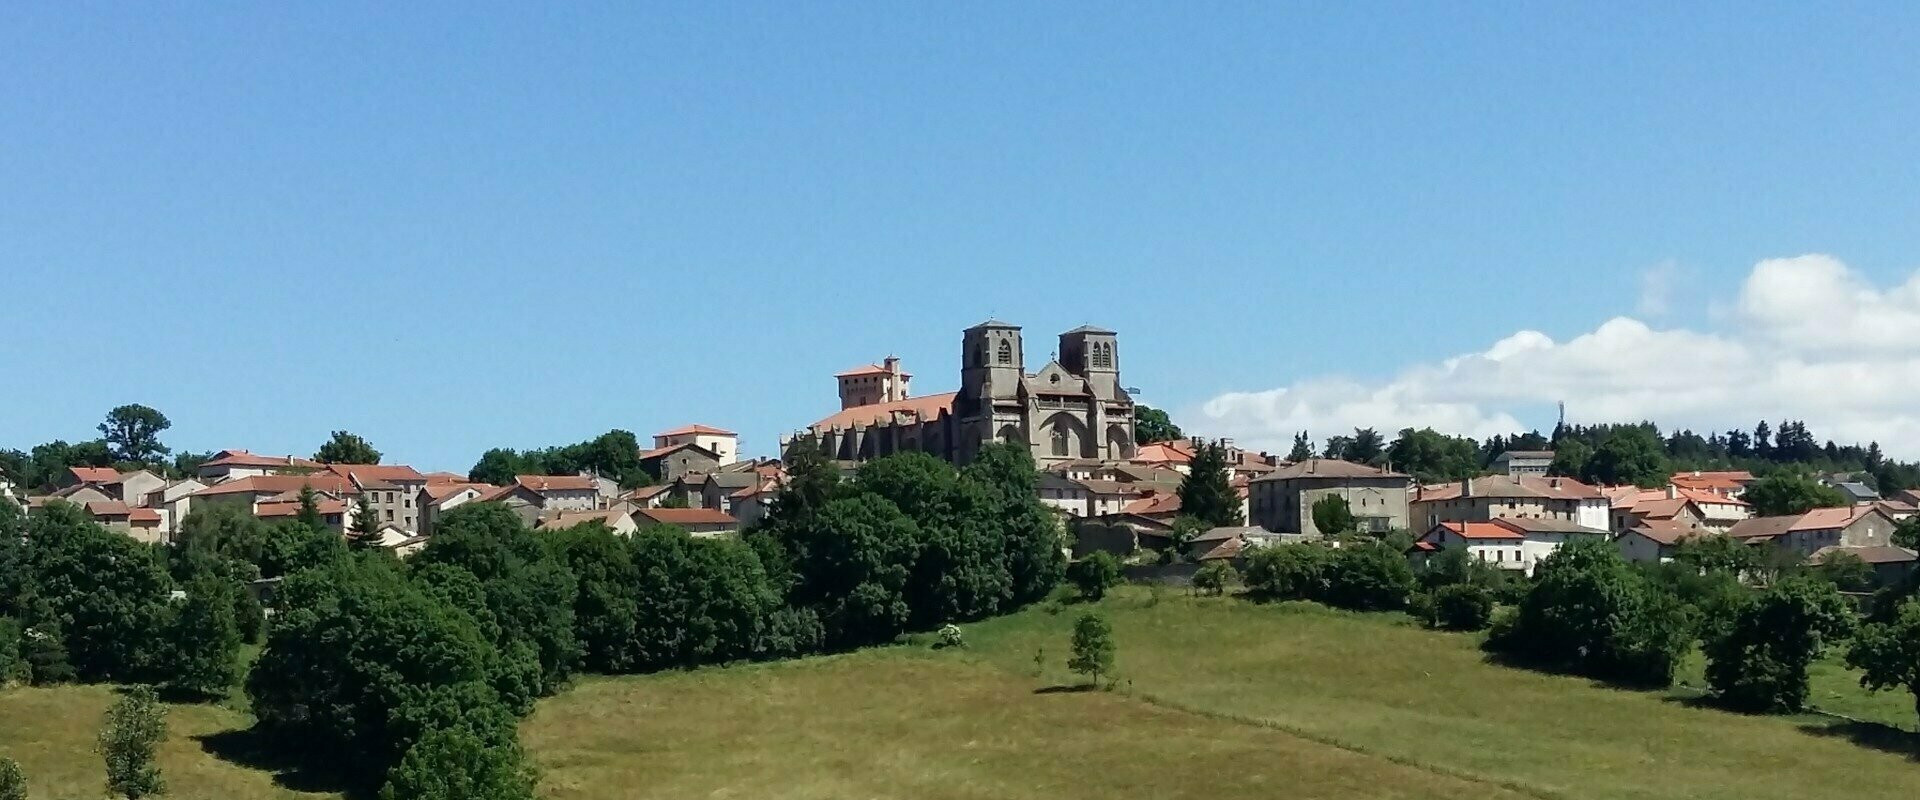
x,y
1808,338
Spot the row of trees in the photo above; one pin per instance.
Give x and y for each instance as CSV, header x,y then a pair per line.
x,y
614,454
130,440
1637,453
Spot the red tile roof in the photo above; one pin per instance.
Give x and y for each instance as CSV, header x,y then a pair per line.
x,y
1163,453
924,408
685,516
1327,469
242,458
1481,530
556,483
143,515
369,473
1157,503
661,451
446,477
870,369
276,484
437,492
95,474
1667,531
107,508
708,430
1504,486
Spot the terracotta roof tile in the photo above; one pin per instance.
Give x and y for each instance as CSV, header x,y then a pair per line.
x,y
925,408
556,483
276,484
242,458
143,515
685,516
1327,468
107,508
1479,530
687,430
94,474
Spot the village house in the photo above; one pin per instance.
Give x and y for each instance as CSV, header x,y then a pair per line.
x,y
1514,543
723,445
336,513
1726,483
234,464
668,463
391,491
618,520
1524,463
1805,534
1630,506
1891,564
1656,540
249,492
531,497
1282,501
436,499
1492,497
703,522
1120,535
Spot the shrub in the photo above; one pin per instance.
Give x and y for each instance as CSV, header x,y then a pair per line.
x,y
1368,577
204,639
1092,653
1888,653
950,636
13,783
455,764
1094,574
1287,571
1462,607
13,666
133,730
1215,577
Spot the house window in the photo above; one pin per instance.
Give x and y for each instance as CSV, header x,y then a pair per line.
x,y
389,497
389,515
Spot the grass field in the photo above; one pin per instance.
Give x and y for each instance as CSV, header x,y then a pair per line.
x,y
1218,698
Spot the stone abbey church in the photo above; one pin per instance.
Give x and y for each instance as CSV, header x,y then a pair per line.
x,y
1071,408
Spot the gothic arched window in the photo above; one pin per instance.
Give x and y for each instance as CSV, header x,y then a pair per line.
x,y
1006,352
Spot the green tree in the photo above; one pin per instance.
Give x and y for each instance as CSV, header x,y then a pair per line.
x,y
309,514
1153,425
455,764
527,589
13,782
853,562
1432,457
1288,571
498,466
132,432
1845,572
108,593
44,647
12,664
1785,493
1760,663
1629,455
1462,607
1888,653
134,728
606,599
1092,649
1094,574
1302,448
360,662
1716,552
1589,612
1906,533
1206,493
346,448
959,572
1368,576
1332,516
288,548
366,522
1570,458
1215,577
1366,447
204,639
1030,534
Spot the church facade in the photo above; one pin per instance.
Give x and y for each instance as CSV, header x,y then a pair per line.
x,y
1073,407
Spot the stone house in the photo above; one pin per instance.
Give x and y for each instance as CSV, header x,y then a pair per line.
x,y
1891,564
1805,534
1492,497
391,491
668,463
1282,501
697,521
723,444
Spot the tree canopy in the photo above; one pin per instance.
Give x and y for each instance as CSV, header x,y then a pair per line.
x,y
133,433
1206,493
1153,425
1784,493
346,448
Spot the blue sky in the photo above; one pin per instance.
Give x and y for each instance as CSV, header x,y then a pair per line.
x,y
454,226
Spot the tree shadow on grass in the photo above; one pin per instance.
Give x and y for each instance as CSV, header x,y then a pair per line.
x,y
1871,735
293,769
1074,688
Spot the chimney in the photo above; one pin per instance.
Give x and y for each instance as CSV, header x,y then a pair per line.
x,y
1466,487
1673,492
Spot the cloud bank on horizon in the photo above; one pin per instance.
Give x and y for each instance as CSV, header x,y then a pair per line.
x,y
1805,338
